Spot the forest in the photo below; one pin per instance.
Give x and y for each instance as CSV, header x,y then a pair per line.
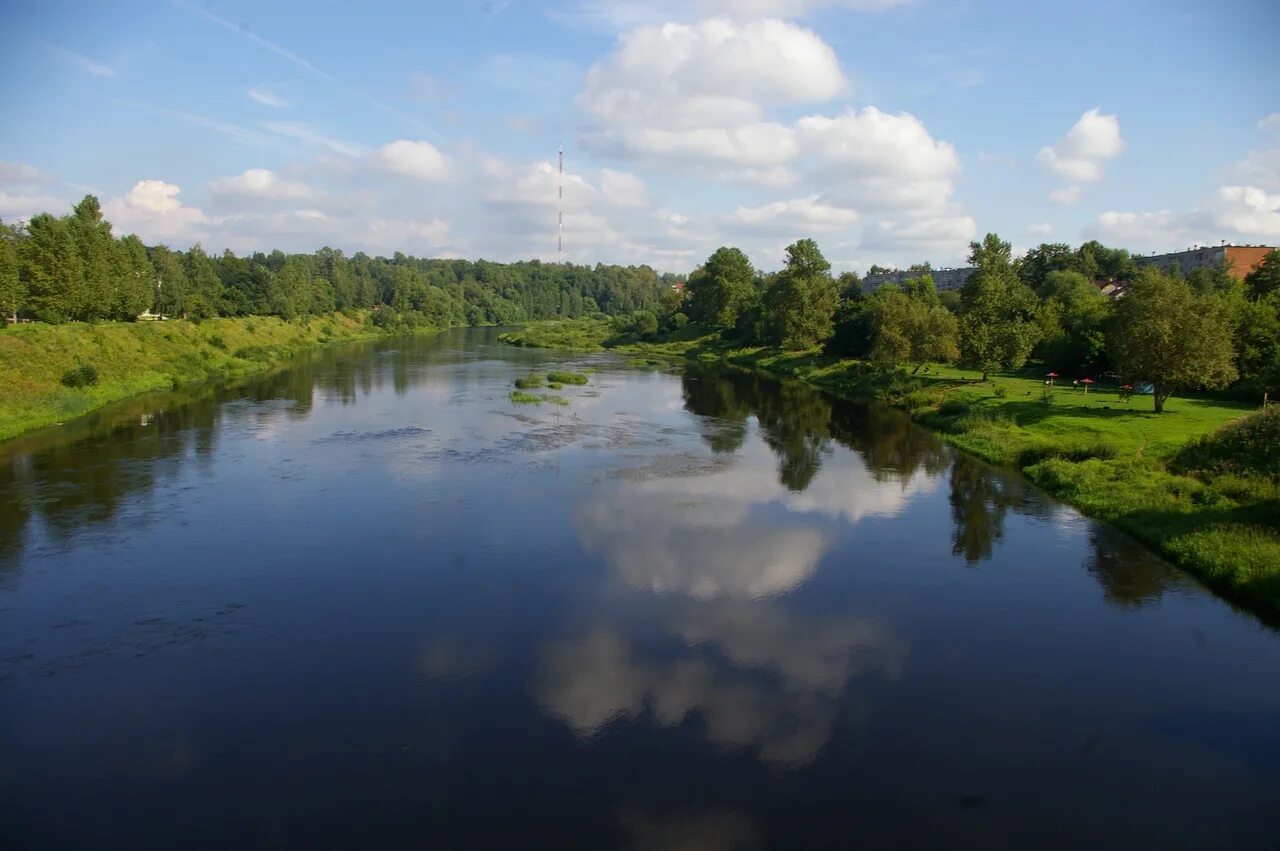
x,y
1163,333
66,268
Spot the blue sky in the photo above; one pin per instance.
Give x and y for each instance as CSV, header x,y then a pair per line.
x,y
891,131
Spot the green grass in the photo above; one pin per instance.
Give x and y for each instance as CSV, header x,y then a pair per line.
x,y
131,358
1197,483
522,398
528,382
555,400
567,378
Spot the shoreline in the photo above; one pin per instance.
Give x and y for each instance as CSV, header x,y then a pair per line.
x,y
1113,461
133,359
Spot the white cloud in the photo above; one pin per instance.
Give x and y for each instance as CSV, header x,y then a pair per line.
x,y
882,160
800,215
415,159
1040,229
1271,122
1245,210
14,172
267,98
1082,155
615,15
152,210
262,184
24,205
1065,195
623,188
699,92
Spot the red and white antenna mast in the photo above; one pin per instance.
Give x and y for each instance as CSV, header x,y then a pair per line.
x,y
560,211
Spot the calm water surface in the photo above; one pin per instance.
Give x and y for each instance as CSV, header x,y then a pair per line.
x,y
371,603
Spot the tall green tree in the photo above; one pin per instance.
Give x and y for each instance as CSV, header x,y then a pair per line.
x,y
135,283
908,329
1264,281
801,303
1166,335
49,263
721,289
998,313
13,289
203,284
171,288
100,262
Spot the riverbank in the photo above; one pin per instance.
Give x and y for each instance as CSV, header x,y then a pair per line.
x,y
1175,481
54,373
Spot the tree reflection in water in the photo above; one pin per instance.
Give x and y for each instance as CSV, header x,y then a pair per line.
x,y
981,496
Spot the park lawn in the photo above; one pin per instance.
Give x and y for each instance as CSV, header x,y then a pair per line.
x,y
1114,460
139,357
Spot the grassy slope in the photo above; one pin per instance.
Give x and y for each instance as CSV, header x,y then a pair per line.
x,y
1111,459
139,357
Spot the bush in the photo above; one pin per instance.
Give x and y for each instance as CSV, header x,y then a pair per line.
x,y
1250,447
385,317
679,321
84,375
954,408
217,342
1002,392
566,378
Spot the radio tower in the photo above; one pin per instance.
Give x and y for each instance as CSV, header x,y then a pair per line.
x,y
560,211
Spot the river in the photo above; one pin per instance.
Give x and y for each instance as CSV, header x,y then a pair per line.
x,y
370,602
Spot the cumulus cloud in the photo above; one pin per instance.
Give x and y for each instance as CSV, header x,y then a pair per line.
x,y
24,205
699,91
623,188
613,15
153,211
1040,229
1082,155
1245,210
799,216
261,184
882,160
414,159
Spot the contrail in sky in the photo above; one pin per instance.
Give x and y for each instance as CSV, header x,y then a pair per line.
x,y
301,63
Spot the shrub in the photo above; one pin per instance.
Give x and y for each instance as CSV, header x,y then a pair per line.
x,y
217,342
385,317
1002,392
566,378
954,408
84,375
1250,446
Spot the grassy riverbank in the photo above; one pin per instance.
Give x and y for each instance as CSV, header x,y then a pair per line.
x,y
115,360
1194,488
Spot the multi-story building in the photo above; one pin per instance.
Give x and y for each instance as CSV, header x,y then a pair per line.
x,y
943,279
1239,260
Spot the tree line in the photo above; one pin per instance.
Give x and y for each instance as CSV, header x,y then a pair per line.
x,y
1207,330
71,268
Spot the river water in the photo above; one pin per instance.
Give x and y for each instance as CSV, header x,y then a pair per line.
x,y
370,602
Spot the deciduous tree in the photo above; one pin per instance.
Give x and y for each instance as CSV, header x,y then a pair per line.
x,y
1166,335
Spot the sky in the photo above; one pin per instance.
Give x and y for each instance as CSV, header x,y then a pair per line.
x,y
890,131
